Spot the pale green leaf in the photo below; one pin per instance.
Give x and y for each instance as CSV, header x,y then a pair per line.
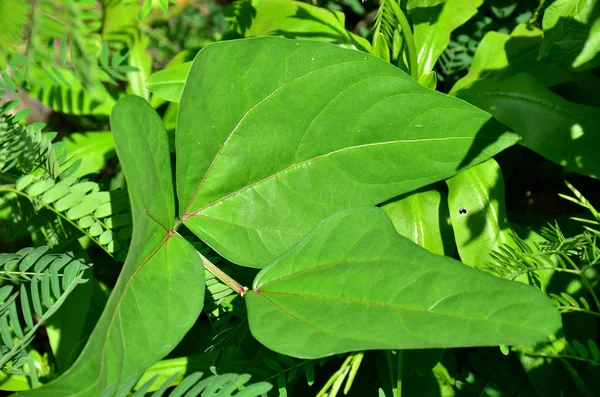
x,y
591,47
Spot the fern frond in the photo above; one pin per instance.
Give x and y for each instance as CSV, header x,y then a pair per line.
x,y
385,22
226,385
567,303
61,43
103,216
587,352
36,284
25,147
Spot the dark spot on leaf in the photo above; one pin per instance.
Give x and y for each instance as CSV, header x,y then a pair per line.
x,y
462,211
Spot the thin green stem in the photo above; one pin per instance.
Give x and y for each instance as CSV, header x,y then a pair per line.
x,y
224,277
400,354
413,67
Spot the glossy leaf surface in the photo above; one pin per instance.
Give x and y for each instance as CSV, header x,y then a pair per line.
x,y
564,132
353,283
423,218
259,165
162,273
433,22
291,19
478,212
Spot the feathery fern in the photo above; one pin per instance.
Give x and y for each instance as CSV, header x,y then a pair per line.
x,y
24,147
103,216
226,385
35,283
61,44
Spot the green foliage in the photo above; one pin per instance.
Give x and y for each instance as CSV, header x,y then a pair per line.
x,y
291,19
274,259
226,385
566,26
24,147
35,284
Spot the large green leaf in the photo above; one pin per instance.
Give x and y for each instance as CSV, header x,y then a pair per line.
x,y
291,19
562,131
275,134
423,218
567,24
160,291
478,212
500,56
353,283
433,21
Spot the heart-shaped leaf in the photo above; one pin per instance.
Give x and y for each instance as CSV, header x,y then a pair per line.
x,y
160,291
564,132
353,283
274,134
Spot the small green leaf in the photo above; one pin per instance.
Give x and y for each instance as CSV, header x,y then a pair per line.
x,y
380,49
168,83
40,187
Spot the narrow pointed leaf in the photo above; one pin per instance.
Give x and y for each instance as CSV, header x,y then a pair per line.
x,y
433,22
259,165
353,284
162,273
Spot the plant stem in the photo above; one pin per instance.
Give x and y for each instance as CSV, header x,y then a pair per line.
x,y
413,67
400,354
218,273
